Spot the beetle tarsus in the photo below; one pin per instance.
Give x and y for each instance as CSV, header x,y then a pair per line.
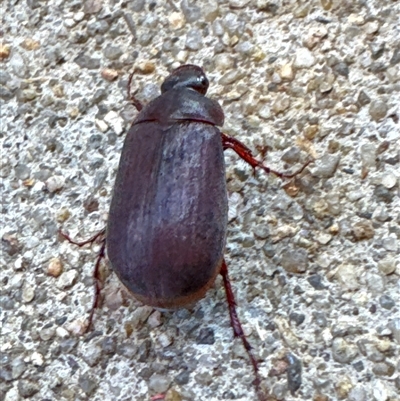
x,y
237,327
246,154
96,271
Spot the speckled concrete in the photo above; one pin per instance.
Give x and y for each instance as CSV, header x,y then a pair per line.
x,y
314,261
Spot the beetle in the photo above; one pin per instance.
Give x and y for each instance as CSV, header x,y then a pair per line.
x,y
167,225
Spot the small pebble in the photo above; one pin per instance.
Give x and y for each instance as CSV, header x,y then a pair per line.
x,y
173,395
391,243
194,39
368,155
67,279
109,74
383,369
281,103
146,67
176,20
378,110
165,340
348,274
115,121
286,72
386,302
37,359
304,58
155,319
55,267
4,51
294,371
159,383
343,387
140,315
294,261
87,384
55,183
394,326
28,293
326,165
238,3
363,230
389,180
61,332
387,265
46,333
27,389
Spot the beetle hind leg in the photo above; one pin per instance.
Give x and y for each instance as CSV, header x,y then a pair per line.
x,y
237,327
96,272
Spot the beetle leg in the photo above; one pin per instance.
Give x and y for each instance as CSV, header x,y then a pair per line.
x,y
81,243
136,102
245,153
96,271
236,325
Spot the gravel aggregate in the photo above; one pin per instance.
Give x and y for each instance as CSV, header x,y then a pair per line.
x,y
314,261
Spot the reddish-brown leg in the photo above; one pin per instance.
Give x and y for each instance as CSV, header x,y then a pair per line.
x,y
96,271
136,102
245,153
237,327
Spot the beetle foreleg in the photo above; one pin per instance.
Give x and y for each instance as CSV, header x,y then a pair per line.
x,y
237,327
245,153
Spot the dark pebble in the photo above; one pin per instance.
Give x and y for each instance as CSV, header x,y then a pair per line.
x,y
144,351
112,52
292,155
87,384
320,319
341,69
6,302
99,95
5,374
109,345
296,317
182,378
5,77
72,364
88,62
68,345
206,336
298,290
386,302
358,366
27,389
293,373
5,93
97,27
316,281
269,250
363,99
383,194
396,57
145,373
376,49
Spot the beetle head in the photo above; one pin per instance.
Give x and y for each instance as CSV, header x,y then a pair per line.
x,y
186,76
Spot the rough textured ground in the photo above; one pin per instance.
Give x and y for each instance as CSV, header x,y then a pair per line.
x,y
314,261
